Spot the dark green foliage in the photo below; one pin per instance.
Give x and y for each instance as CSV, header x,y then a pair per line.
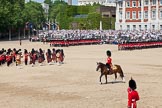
x,y
15,13
11,13
34,13
108,23
64,15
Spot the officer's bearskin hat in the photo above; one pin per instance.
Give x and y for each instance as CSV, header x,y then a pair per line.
x,y
132,84
25,51
14,49
108,53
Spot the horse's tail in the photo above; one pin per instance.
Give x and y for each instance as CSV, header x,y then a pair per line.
x,y
121,71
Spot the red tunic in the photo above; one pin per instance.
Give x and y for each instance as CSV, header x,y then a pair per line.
x,y
8,58
34,57
132,98
26,56
3,57
48,57
109,61
61,57
54,56
0,58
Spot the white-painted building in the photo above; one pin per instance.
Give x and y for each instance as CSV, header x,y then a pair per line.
x,y
102,2
69,2
138,15
46,9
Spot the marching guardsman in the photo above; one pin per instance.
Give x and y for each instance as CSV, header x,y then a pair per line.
x,y
41,57
18,58
109,60
62,55
3,56
14,55
54,55
9,51
33,57
132,94
26,55
8,58
0,57
58,52
48,55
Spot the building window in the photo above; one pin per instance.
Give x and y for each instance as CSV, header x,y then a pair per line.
x,y
139,27
146,2
134,4
145,27
120,4
153,14
153,26
134,27
160,2
160,27
128,27
127,15
146,15
134,15
160,14
120,15
153,2
120,27
139,15
139,3
127,4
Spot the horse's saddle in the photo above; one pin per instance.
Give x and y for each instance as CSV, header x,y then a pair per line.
x,y
113,67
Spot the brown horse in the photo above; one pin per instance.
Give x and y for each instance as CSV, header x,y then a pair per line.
x,y
104,71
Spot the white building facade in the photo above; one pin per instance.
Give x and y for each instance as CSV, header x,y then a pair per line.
x,y
138,15
102,2
69,2
46,9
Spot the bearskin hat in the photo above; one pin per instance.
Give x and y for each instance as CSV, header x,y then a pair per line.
x,y
53,49
25,51
14,49
58,50
108,53
132,84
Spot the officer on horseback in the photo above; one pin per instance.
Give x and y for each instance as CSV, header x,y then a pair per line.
x,y
109,60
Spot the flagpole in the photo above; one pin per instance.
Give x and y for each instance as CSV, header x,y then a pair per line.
x,y
100,25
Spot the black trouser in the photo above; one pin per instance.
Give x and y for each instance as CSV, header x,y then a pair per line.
x,y
26,62
14,59
3,62
108,65
8,63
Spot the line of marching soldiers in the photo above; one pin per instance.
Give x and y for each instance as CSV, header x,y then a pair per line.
x,y
10,56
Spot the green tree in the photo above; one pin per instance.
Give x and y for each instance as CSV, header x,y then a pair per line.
x,y
93,20
11,14
34,13
61,17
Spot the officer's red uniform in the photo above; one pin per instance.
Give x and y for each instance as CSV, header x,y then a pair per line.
x,y
26,58
109,61
132,98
